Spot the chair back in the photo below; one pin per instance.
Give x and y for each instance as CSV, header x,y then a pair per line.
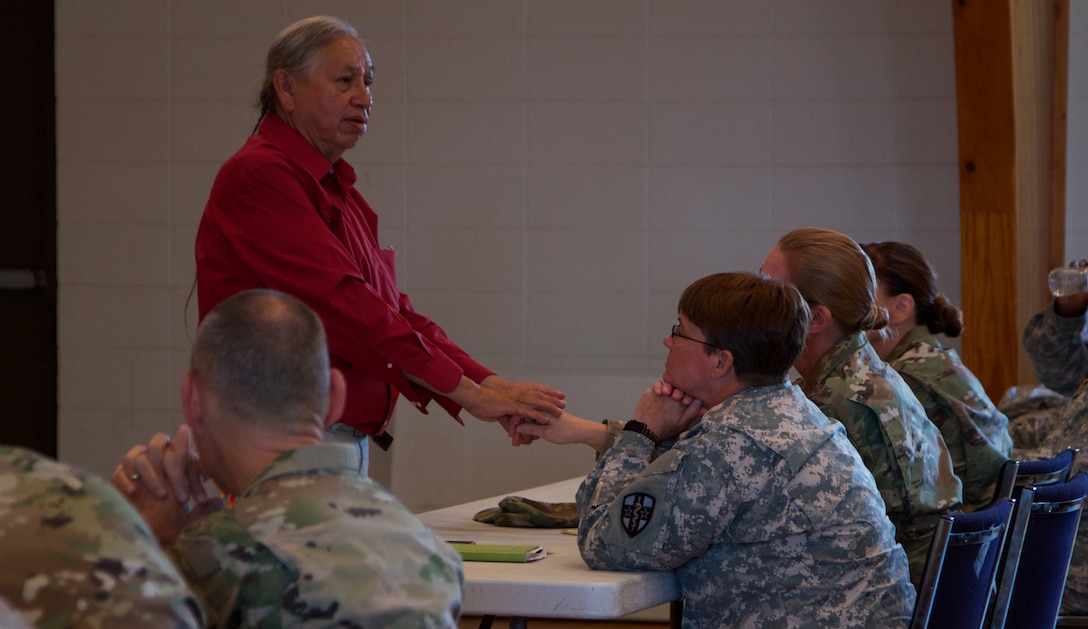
x,y
961,594
1046,471
1040,574
1006,479
1014,545
931,573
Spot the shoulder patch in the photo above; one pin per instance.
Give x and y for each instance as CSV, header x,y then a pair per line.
x,y
638,508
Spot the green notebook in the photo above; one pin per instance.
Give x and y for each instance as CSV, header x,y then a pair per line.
x,y
499,552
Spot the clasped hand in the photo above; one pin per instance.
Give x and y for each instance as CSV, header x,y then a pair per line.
x,y
164,481
511,403
668,411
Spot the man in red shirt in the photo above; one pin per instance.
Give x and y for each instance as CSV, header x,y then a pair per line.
x,y
284,214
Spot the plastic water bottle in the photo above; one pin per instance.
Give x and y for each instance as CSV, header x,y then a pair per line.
x,y
1067,280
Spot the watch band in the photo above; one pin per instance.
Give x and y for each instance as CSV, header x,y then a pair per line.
x,y
636,426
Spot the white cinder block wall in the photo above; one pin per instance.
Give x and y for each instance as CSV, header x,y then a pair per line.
x,y
552,173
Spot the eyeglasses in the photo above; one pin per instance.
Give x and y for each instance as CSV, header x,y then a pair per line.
x,y
676,333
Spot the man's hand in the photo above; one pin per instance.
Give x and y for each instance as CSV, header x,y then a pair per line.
x,y
497,399
164,466
160,479
531,394
1074,305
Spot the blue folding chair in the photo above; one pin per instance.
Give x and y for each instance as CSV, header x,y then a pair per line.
x,y
1034,593
1046,471
931,573
1010,560
957,584
1006,479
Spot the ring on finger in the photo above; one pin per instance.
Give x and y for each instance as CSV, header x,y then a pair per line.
x,y
135,476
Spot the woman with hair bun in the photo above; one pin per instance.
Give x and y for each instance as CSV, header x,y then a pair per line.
x,y
975,432
842,373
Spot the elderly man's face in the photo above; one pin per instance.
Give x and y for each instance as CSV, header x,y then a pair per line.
x,y
331,106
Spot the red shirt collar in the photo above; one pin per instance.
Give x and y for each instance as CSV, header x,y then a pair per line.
x,y
283,135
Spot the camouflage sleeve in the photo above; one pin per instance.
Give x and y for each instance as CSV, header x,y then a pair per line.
x,y
320,550
643,515
614,428
74,552
198,554
1056,346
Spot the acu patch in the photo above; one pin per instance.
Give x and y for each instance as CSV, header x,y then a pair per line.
x,y
637,510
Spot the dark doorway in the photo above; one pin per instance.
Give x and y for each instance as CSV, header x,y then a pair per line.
x,y
28,229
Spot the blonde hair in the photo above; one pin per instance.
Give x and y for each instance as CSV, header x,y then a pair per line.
x,y
830,269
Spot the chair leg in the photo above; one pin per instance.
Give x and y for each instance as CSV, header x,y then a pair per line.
x,y
676,614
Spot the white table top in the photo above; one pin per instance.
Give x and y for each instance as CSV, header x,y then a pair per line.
x,y
558,586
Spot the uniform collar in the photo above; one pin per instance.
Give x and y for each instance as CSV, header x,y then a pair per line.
x,y
339,458
918,334
834,357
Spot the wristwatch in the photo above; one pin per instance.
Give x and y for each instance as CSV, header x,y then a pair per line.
x,y
636,426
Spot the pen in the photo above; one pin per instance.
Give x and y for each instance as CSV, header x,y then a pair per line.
x,y
459,541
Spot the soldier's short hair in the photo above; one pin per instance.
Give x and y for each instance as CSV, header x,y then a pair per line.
x,y
761,321
263,354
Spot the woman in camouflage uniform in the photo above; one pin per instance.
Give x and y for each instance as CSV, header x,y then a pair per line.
x,y
762,507
841,373
975,432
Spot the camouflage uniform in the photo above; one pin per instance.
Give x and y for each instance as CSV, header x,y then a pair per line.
x,y
765,511
975,432
74,553
889,428
1058,353
314,541
1056,346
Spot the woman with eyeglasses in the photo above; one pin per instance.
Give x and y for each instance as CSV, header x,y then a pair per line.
x,y
842,373
974,430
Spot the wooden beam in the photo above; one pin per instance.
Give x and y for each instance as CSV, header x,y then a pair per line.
x,y
1010,57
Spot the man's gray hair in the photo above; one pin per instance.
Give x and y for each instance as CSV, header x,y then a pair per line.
x,y
293,51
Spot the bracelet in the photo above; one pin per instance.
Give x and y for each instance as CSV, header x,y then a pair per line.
x,y
636,426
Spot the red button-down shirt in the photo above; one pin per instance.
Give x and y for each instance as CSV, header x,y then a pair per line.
x,y
280,216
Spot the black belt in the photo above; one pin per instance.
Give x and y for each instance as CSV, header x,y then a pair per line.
x,y
383,440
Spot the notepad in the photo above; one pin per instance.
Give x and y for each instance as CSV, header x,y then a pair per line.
x,y
500,552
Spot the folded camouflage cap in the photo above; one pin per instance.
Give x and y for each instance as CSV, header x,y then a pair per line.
x,y
524,512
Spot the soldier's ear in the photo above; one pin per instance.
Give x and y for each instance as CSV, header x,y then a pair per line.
x,y
819,318
722,363
337,396
192,401
901,308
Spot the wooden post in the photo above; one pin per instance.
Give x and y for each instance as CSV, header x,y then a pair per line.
x,y
1011,60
